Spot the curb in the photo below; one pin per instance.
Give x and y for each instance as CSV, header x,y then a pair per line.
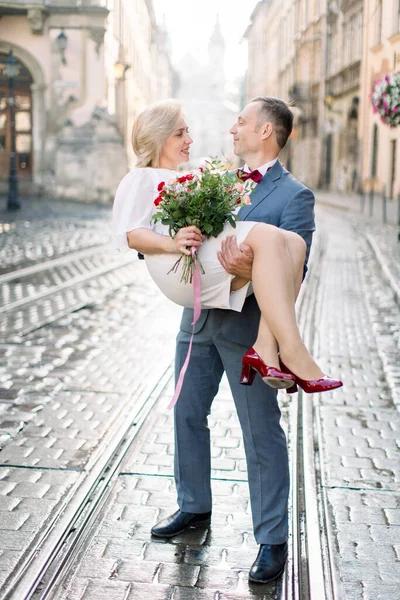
x,y
385,269
330,204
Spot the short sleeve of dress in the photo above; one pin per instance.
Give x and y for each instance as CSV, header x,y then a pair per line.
x,y
133,206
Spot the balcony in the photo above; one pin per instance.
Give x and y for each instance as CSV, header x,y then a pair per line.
x,y
23,5
299,92
346,80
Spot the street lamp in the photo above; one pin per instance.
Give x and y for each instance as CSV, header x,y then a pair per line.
x,y
12,70
62,41
329,101
120,69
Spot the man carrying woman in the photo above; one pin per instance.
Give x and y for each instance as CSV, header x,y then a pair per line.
x,y
273,257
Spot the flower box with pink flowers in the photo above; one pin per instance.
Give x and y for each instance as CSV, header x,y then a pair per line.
x,y
385,99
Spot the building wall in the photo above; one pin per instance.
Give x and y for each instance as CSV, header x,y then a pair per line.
x,y
307,90
259,56
381,55
284,42
342,97
328,56
82,111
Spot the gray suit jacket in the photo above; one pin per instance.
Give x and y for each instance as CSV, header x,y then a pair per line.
x,y
278,199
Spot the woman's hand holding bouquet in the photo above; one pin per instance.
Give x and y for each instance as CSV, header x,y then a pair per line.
x,y
186,238
197,205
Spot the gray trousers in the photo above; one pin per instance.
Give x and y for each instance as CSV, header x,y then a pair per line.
x,y
259,416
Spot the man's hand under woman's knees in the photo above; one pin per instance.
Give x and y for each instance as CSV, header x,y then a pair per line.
x,y
236,260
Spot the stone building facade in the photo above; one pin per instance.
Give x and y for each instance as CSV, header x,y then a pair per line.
x,y
86,68
342,95
285,41
380,144
329,55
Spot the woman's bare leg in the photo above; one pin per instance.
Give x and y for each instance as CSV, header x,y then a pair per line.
x,y
297,249
276,277
266,344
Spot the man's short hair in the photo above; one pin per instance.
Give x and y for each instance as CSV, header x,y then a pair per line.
x,y
277,112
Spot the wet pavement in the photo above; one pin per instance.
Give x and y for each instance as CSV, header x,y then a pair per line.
x,y
64,386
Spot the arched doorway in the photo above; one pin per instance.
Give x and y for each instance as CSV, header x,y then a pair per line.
x,y
23,122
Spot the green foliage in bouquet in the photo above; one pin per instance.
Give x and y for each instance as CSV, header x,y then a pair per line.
x,y
206,198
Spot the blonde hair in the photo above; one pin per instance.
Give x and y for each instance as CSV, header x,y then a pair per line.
x,y
151,129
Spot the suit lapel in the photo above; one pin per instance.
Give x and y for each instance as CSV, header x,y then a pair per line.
x,y
262,190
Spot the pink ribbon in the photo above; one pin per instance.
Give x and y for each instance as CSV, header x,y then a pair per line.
x,y
196,315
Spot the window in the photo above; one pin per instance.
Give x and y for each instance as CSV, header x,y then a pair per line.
x,y
378,23
347,37
374,158
393,167
332,54
396,16
358,36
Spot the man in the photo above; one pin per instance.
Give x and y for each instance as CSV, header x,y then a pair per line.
x,y
221,339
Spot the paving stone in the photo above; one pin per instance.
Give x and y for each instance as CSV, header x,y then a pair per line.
x,y
94,590
13,540
246,591
123,536
358,422
382,592
14,520
68,388
182,575
361,471
8,560
8,503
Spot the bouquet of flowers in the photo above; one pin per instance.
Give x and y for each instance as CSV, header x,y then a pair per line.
x,y
206,198
385,99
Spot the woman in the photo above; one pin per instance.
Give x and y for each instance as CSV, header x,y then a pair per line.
x,y
161,143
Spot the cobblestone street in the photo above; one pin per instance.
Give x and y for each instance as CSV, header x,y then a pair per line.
x,y
79,366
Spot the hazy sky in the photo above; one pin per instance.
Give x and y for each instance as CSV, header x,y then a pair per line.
x,y
191,22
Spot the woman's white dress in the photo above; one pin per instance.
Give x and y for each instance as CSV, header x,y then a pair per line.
x,y
134,207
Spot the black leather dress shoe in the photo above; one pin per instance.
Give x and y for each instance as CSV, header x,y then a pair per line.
x,y
269,564
180,521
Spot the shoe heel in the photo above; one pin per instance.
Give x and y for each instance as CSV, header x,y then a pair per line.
x,y
292,389
247,375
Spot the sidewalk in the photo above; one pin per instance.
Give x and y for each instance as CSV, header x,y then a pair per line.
x,y
44,228
70,380
386,236
356,429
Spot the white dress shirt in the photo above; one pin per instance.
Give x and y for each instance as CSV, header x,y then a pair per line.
x,y
263,169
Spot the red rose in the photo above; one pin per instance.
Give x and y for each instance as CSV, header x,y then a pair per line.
x,y
160,185
158,200
189,177
182,179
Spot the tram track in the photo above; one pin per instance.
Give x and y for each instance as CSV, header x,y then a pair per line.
x,y
43,565
50,264
37,295
43,569
310,572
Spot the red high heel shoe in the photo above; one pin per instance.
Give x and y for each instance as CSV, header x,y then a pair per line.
x,y
311,386
252,363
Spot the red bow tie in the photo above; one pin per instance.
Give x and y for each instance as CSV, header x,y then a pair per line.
x,y
254,175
